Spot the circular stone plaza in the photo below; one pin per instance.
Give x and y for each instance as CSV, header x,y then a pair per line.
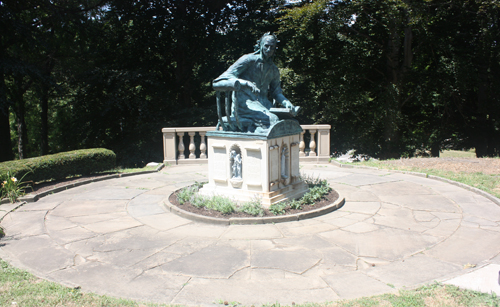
x,y
395,230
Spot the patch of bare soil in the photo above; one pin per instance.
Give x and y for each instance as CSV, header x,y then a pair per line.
x,y
490,166
328,199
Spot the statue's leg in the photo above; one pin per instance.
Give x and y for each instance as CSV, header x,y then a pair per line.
x,y
259,114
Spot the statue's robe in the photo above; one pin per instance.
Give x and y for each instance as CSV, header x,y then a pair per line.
x,y
254,107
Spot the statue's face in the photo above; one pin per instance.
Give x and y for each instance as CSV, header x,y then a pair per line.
x,y
268,47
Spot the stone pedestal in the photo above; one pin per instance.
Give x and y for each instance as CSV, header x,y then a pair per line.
x,y
243,166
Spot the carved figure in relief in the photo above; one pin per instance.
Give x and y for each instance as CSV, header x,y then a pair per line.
x,y
284,169
235,160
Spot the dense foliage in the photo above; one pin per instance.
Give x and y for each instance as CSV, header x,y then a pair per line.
x,y
392,77
60,165
395,77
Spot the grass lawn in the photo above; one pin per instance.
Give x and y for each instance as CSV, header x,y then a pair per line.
x,y
487,182
458,154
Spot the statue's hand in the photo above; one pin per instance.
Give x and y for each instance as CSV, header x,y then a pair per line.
x,y
252,86
295,110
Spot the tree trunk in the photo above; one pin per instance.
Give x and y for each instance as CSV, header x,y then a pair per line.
x,y
435,150
396,69
44,138
22,134
485,128
392,133
44,104
6,147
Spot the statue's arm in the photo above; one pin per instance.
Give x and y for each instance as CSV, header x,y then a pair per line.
x,y
277,94
230,81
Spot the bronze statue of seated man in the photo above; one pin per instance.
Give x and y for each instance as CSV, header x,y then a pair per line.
x,y
254,80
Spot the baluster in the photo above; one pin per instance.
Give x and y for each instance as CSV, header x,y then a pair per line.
x,y
181,145
192,147
203,145
302,145
312,143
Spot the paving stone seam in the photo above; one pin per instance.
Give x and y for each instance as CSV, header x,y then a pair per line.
x,y
419,251
180,290
240,269
329,286
313,266
455,183
404,256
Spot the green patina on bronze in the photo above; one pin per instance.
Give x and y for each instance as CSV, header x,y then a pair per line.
x,y
253,84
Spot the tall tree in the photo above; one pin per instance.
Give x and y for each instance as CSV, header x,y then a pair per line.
x,y
469,55
395,77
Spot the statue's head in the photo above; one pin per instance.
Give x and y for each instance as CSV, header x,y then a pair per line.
x,y
267,45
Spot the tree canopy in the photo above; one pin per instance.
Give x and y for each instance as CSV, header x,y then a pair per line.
x,y
393,77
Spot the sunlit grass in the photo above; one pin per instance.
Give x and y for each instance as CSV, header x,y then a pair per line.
x,y
486,182
471,153
135,170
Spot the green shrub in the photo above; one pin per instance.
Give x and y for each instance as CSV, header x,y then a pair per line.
x,y
185,195
317,189
199,201
316,192
310,180
253,207
218,203
61,165
295,204
221,204
278,208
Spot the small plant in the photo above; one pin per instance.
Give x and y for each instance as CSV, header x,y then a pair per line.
x,y
199,185
12,188
199,201
186,194
278,208
317,189
253,207
295,204
310,180
221,204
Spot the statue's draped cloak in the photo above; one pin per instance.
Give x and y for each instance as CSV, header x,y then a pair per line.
x,y
255,106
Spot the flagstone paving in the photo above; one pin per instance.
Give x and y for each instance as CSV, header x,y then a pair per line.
x,y
395,231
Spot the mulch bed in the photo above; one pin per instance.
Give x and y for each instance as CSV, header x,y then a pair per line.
x,y
328,199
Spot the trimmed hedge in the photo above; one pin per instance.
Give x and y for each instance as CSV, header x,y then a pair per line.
x,y
61,165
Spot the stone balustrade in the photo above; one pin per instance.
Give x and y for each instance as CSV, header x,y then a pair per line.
x,y
188,145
